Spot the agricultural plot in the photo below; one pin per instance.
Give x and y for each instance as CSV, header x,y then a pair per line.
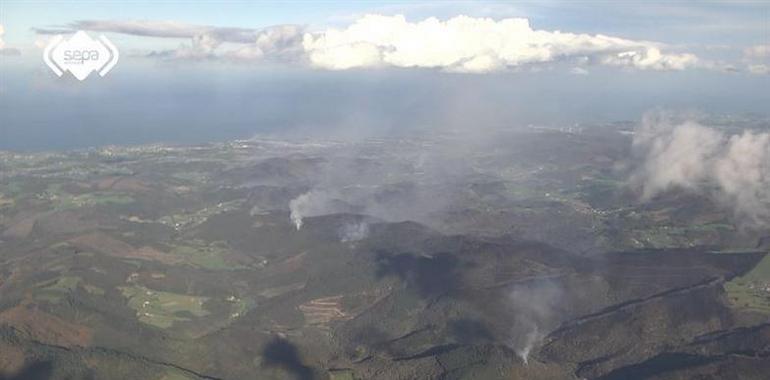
x,y
163,309
55,290
752,291
202,255
5,201
188,220
66,201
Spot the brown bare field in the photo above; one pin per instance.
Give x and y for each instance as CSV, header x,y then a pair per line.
x,y
11,360
65,222
44,327
321,311
20,226
101,242
291,264
127,184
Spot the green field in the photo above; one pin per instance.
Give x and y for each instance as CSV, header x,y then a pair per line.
x,y
752,291
54,291
163,309
65,201
202,255
676,236
192,219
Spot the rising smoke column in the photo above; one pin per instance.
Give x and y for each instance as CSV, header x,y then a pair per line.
x,y
298,208
311,203
534,311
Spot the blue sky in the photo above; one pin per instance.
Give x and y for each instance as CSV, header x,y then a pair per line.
x,y
233,73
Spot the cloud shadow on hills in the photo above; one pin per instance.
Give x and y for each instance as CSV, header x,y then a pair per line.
x,y
469,331
282,353
430,276
39,370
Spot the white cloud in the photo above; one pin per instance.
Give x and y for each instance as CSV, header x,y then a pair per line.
x,y
651,58
578,71
459,44
468,44
675,154
756,58
281,42
757,51
278,43
759,69
743,173
6,50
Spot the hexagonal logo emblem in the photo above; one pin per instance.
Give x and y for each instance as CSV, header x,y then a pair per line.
x,y
80,55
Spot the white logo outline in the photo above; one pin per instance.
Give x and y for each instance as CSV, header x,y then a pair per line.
x,y
55,55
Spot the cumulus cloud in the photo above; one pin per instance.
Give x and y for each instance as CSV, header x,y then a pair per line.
x,y
161,29
756,59
278,43
281,42
578,71
733,168
459,44
468,44
759,69
3,49
757,51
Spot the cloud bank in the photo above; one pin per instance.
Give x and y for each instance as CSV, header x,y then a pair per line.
x,y
6,50
468,44
757,57
757,51
733,168
281,42
459,44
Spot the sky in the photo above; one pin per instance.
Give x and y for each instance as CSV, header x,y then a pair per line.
x,y
203,71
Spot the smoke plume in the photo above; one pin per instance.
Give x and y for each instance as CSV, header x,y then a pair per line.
x,y
311,203
533,307
732,168
353,232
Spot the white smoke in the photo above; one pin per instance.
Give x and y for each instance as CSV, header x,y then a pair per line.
x,y
534,308
312,203
735,169
353,232
531,338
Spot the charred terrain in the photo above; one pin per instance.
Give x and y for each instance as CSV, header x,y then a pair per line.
x,y
525,254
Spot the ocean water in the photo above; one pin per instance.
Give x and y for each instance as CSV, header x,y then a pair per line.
x,y
185,103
